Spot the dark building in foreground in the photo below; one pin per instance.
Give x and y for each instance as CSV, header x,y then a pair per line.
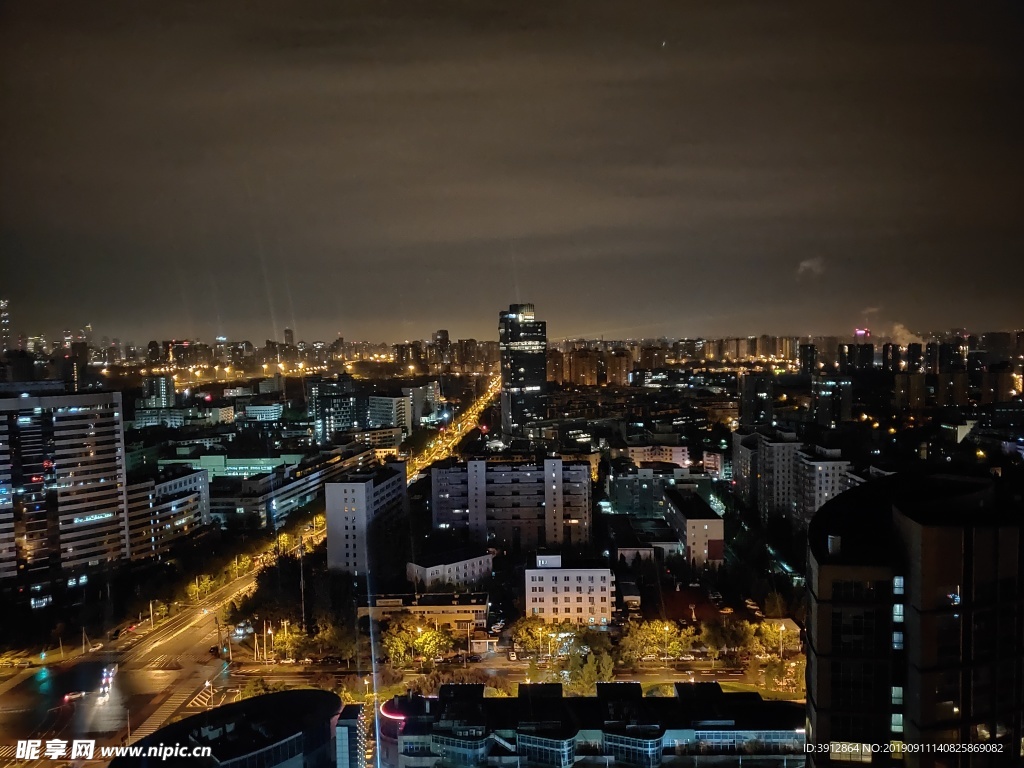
x,y
618,726
915,628
298,729
523,340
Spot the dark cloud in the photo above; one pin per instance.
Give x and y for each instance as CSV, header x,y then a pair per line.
x,y
380,169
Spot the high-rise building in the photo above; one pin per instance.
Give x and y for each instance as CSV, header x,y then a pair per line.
x,y
756,400
289,337
832,400
909,391
62,491
159,392
618,364
808,359
584,365
915,358
777,487
913,624
354,502
892,358
555,366
523,340
334,407
5,326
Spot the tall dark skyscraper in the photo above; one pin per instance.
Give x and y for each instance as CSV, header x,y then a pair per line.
x,y
5,327
832,398
913,624
289,337
756,400
523,342
808,359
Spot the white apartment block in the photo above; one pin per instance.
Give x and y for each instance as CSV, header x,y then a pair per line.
x,y
521,506
670,454
272,412
777,487
459,569
352,504
822,475
576,595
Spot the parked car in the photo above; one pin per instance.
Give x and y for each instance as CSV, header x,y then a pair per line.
x,y
650,657
687,657
474,658
287,661
512,656
95,647
725,611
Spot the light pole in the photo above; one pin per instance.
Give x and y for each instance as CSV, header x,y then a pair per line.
x,y
366,682
782,628
667,629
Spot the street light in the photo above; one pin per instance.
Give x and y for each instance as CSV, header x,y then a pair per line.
x,y
782,628
366,682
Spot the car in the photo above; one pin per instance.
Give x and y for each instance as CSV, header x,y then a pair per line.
x,y
725,611
512,656
95,647
758,614
306,660
687,657
287,661
440,660
650,657
73,695
695,584
474,658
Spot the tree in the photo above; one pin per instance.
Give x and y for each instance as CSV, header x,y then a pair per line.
x,y
433,643
531,634
244,564
205,584
258,686
193,591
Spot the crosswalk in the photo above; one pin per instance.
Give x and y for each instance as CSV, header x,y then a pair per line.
x,y
158,718
202,699
7,751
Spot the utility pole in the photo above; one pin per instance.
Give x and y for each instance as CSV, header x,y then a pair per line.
x,y
151,622
61,641
302,585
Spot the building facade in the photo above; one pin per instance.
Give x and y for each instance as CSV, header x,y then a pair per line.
x,y
914,622
520,505
354,502
460,569
165,509
523,343
62,491
575,595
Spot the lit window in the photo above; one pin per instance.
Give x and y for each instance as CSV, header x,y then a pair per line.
x,y
897,613
897,641
897,694
897,723
897,585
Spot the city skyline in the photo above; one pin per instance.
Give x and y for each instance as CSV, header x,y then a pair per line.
x,y
697,171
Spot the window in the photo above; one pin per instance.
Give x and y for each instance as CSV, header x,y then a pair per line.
x,y
897,694
897,641
897,723
897,613
897,585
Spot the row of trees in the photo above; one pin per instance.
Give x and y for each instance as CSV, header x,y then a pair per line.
x,y
405,638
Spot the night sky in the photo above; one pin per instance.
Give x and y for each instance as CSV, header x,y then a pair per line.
x,y
383,169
